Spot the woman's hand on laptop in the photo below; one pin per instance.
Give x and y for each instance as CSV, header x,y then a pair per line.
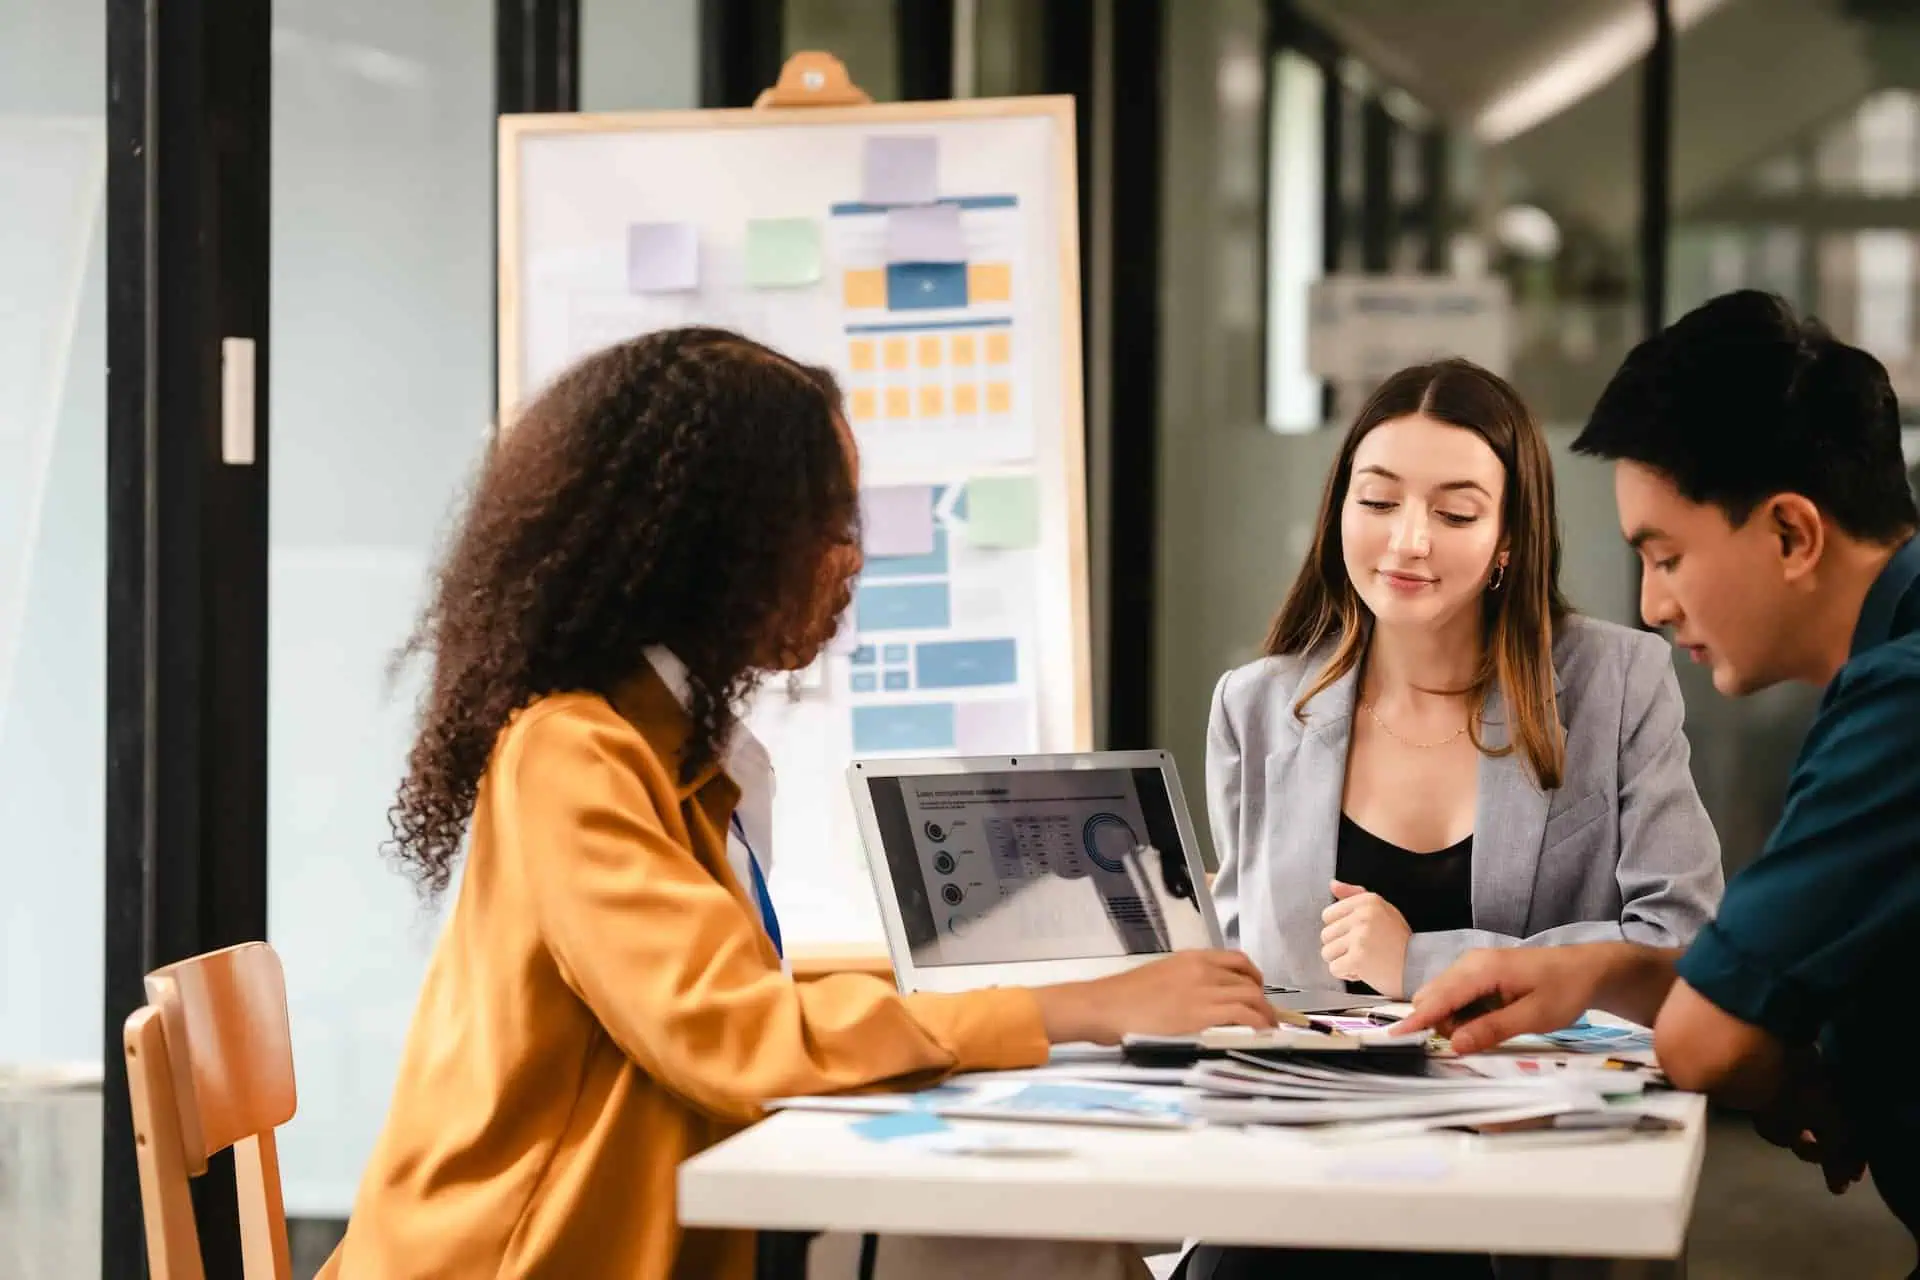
x,y
1182,994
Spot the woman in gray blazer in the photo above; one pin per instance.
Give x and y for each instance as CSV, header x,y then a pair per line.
x,y
1436,754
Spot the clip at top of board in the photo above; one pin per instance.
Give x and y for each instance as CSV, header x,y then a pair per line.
x,y
813,79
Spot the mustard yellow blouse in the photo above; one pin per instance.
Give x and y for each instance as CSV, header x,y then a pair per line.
x,y
603,1004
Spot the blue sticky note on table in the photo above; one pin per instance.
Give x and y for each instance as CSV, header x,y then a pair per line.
x,y
782,252
663,257
1003,512
898,1124
900,170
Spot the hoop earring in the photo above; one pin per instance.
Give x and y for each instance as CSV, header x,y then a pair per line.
x,y
1499,576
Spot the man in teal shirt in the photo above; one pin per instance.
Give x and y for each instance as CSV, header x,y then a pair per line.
x,y
1759,477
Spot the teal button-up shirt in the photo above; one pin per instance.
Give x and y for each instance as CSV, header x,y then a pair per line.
x,y
1819,939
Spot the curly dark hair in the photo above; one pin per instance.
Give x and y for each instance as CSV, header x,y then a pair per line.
x,y
682,489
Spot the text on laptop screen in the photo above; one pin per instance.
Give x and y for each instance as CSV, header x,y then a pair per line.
x,y
998,868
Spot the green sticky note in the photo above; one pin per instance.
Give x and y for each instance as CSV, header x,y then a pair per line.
x,y
782,252
1003,511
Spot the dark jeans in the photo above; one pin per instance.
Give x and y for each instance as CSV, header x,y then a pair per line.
x,y
1217,1262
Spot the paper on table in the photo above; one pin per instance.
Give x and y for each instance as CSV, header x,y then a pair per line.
x,y
1299,1111
1380,1130
1017,1098
1590,1037
1595,1072
663,257
899,1124
897,520
1104,1072
1391,1009
901,170
925,233
1043,1096
1003,512
782,252
1245,1090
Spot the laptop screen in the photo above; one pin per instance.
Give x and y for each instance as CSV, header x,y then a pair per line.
x,y
1069,864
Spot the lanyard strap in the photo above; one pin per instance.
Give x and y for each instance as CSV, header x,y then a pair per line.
x,y
767,918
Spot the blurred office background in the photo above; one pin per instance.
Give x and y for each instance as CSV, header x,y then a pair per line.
x,y
1233,152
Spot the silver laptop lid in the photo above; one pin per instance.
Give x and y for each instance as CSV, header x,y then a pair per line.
x,y
1004,870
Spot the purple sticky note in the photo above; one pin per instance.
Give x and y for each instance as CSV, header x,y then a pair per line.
x,y
925,233
897,520
901,170
663,257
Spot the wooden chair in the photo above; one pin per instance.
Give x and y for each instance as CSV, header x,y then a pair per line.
x,y
210,1066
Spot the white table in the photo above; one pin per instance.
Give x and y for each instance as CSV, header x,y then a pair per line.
x,y
807,1171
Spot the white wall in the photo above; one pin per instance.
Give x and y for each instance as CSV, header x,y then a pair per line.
x,y
53,552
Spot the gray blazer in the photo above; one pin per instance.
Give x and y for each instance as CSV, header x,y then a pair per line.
x,y
1623,849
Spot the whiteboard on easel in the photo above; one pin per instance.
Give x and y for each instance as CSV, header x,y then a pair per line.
x,y
927,254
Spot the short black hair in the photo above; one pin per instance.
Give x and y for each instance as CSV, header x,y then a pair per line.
x,y
1740,399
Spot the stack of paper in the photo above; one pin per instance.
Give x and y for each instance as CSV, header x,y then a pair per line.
x,y
1243,1089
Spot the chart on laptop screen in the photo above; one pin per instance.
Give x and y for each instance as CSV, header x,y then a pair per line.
x,y
997,868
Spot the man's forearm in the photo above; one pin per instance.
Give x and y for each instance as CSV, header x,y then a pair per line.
x,y
1638,980
1759,1081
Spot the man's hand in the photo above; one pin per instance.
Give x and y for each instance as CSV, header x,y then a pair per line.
x,y
1805,1120
1490,996
1365,940
1486,997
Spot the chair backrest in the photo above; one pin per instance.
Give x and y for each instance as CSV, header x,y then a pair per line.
x,y
210,1066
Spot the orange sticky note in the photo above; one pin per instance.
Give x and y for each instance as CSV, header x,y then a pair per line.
x,y
989,282
933,402
896,353
899,404
966,398
930,353
865,288
999,347
963,353
860,356
999,397
863,403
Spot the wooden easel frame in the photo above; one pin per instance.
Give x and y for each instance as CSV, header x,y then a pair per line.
x,y
813,88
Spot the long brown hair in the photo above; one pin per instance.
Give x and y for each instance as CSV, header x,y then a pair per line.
x,y
679,489
1518,620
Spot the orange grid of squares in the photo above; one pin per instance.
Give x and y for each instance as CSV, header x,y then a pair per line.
x,y
930,377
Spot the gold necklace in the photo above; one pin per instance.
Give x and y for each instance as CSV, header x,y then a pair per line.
x,y
1423,746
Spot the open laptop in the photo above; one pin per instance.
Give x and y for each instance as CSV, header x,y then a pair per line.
x,y
1029,870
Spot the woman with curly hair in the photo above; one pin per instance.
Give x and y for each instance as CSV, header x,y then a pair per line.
x,y
673,519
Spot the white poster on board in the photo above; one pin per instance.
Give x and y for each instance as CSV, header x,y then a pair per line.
x,y
923,254
1362,328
